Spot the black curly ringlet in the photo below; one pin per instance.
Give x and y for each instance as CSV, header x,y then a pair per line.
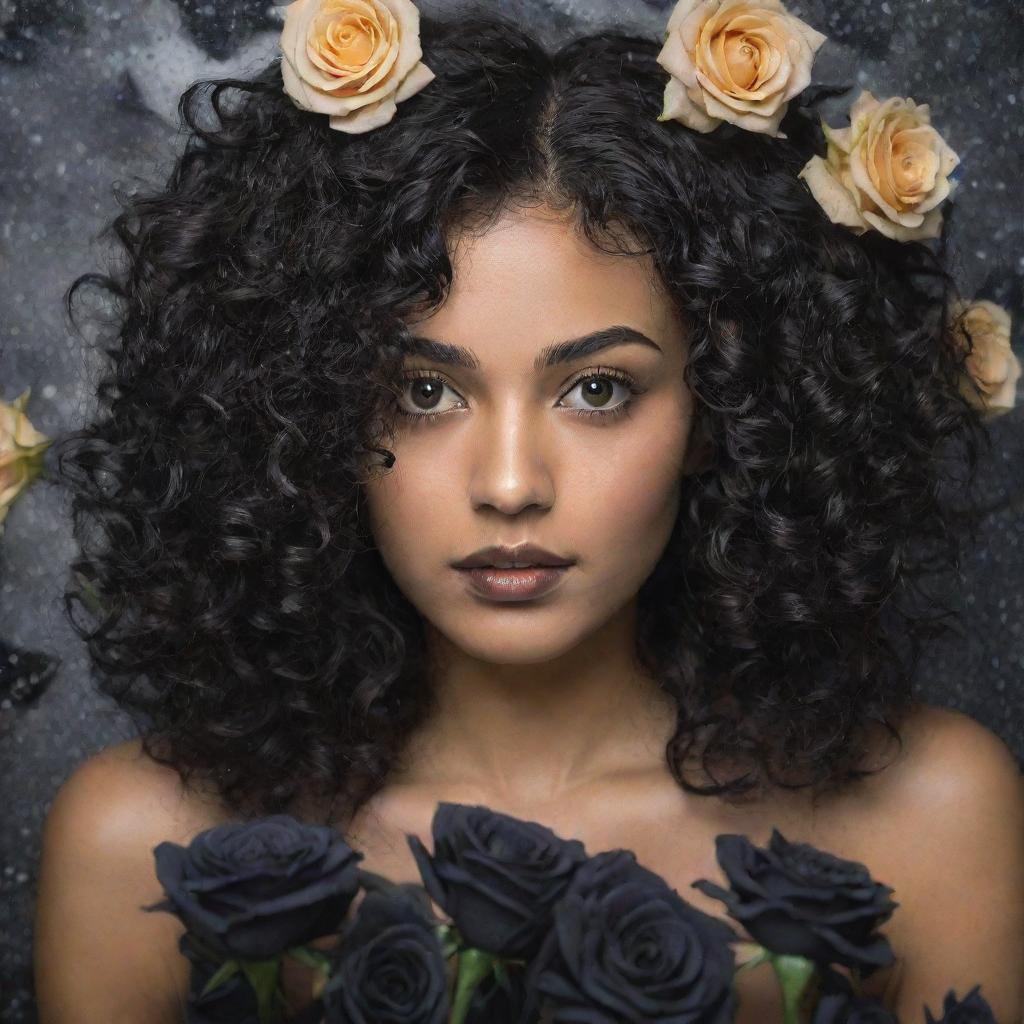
x,y
247,619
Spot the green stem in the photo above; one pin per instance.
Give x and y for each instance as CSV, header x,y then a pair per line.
x,y
474,966
794,973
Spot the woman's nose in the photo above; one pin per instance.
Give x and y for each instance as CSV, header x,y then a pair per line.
x,y
512,460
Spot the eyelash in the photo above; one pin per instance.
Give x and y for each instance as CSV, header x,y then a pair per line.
x,y
624,408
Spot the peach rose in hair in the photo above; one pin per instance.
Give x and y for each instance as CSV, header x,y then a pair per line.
x,y
889,170
991,363
735,61
352,59
21,451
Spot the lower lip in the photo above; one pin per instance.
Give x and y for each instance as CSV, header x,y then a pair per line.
x,y
515,584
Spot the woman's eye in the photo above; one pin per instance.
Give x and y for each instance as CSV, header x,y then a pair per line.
x,y
597,393
422,396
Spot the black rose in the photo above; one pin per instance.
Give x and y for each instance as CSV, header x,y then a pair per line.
x,y
626,947
972,1009
252,890
389,967
838,1004
794,898
496,876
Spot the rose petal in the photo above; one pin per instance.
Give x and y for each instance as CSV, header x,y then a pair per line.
x,y
864,182
365,118
324,55
879,166
681,12
675,59
764,99
420,76
751,101
408,17
298,51
915,163
930,226
690,25
800,77
835,200
678,106
1005,397
745,119
293,14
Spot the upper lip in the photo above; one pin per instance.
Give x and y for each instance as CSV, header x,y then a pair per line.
x,y
501,557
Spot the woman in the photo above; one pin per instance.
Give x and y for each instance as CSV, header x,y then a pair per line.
x,y
521,449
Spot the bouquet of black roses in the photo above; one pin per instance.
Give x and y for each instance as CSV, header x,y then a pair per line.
x,y
534,929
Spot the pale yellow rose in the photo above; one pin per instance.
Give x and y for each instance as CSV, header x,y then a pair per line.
x,y
355,60
991,363
21,451
889,170
735,61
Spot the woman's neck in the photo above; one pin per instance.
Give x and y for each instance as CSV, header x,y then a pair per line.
x,y
532,732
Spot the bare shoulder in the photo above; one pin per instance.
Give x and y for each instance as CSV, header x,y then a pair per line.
x,y
97,954
950,748
123,792
954,785
951,834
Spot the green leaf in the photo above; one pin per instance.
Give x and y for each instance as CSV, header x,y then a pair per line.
x,y
451,941
762,957
226,970
263,976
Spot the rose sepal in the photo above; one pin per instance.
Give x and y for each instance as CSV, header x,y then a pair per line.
x,y
758,956
449,936
309,957
263,977
227,970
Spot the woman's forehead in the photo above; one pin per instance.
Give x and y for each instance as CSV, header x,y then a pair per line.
x,y
532,278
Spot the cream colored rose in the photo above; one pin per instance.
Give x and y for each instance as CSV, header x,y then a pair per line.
x,y
991,363
888,170
734,61
21,451
355,60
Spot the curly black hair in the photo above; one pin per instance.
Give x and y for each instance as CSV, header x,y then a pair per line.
x,y
237,606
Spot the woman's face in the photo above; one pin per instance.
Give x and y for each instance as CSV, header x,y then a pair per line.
x,y
512,455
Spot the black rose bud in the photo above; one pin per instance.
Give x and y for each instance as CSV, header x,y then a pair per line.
x,y
796,899
389,967
972,1009
838,1004
252,890
627,947
497,877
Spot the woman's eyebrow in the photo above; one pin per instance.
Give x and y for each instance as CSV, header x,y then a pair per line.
x,y
552,355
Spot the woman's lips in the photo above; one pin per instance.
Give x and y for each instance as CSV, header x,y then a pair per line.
x,y
514,584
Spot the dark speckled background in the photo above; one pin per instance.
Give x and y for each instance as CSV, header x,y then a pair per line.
x,y
87,97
